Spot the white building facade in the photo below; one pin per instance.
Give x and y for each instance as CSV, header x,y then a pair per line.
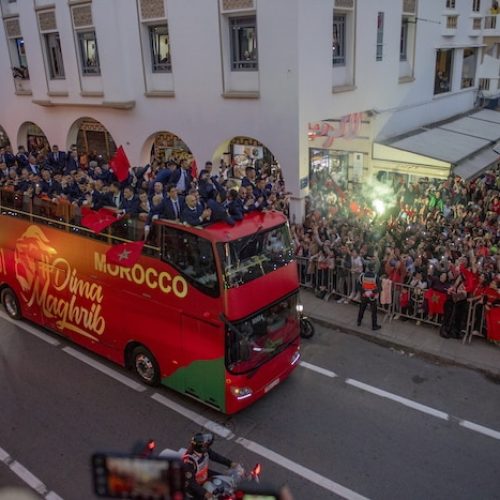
x,y
318,82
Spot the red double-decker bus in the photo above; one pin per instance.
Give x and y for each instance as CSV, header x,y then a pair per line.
x,y
210,312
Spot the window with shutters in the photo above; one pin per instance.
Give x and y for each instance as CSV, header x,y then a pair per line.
x,y
243,41
89,56
54,56
160,48
339,40
380,36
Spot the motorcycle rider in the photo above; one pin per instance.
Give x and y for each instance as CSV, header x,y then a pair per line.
x,y
196,460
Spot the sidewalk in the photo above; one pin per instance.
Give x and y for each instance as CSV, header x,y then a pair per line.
x,y
422,339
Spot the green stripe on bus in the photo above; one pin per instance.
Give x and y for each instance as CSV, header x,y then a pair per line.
x,y
203,379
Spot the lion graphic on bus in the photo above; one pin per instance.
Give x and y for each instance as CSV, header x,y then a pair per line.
x,y
32,249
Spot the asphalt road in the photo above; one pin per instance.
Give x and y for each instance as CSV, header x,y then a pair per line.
x,y
55,411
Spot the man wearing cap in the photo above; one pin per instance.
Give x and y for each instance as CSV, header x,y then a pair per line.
x,y
370,288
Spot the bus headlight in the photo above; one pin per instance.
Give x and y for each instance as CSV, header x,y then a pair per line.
x,y
295,357
300,308
241,392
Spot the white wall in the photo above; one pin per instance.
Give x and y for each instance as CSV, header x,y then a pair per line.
x,y
294,77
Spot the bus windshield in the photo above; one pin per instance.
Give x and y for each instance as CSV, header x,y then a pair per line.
x,y
255,340
254,256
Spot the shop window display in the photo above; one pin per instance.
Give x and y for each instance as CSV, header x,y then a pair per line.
x,y
328,173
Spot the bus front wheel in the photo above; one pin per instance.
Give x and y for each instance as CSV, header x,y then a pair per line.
x,y
145,366
10,303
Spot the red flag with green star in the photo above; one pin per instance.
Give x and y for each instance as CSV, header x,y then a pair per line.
x,y
125,254
97,220
435,301
120,164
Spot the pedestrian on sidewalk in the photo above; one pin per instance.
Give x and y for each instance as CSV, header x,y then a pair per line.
x,y
370,289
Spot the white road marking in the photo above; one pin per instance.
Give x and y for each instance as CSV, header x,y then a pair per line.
x,y
4,456
52,496
30,479
480,428
398,399
216,428
136,386
317,369
300,470
33,331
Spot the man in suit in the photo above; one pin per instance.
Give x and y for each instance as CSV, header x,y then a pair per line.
x,y
70,188
235,205
114,196
56,160
182,178
250,177
130,204
49,186
157,188
174,204
21,157
218,209
32,166
193,213
72,164
8,157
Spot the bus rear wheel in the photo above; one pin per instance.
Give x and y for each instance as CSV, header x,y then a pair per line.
x,y
11,304
145,366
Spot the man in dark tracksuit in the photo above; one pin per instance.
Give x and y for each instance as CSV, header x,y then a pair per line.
x,y
370,289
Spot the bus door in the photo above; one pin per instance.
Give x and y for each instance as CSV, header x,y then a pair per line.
x,y
204,375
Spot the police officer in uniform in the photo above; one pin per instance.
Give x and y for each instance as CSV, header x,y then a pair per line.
x,y
370,288
196,460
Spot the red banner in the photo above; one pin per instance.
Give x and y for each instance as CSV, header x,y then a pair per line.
x,y
435,301
493,323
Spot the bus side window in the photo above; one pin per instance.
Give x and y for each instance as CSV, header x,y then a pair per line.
x,y
191,255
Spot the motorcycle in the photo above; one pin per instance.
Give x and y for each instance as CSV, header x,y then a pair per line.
x,y
222,486
306,326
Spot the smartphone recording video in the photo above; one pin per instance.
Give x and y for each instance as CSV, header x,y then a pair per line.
x,y
120,476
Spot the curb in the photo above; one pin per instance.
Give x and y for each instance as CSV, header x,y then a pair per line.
x,y
375,338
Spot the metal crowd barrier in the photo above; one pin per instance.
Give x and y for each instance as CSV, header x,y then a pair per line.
x,y
404,301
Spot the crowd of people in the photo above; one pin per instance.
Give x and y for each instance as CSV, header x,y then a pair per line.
x,y
434,235
171,189
441,236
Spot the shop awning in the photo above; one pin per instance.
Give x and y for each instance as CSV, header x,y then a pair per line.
x,y
475,165
464,145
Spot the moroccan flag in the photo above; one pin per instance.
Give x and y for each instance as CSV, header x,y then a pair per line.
x,y
97,220
493,323
435,301
120,164
125,254
194,170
